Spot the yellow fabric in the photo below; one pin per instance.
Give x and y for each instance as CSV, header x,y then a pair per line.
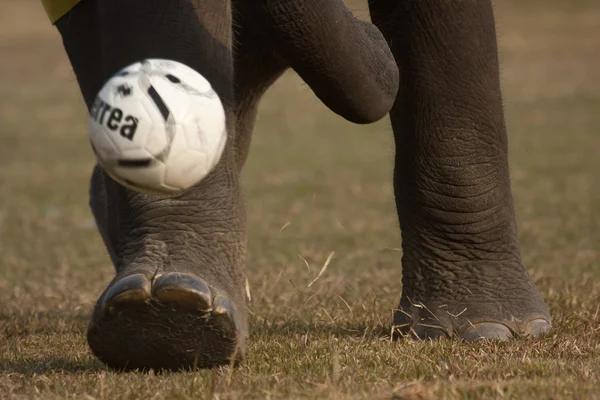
x,y
57,8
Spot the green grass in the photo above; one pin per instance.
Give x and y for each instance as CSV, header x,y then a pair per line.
x,y
314,184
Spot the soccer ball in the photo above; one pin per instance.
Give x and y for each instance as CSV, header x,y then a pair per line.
x,y
158,127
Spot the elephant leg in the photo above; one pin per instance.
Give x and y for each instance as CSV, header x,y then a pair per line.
x,y
177,300
345,61
462,270
256,67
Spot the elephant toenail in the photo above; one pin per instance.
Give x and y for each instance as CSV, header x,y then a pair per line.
x,y
131,289
487,330
537,327
182,289
432,333
223,306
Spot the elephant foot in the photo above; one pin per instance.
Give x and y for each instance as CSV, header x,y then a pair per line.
x,y
481,301
504,330
166,321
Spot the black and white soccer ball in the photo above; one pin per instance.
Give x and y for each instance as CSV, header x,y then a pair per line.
x,y
157,126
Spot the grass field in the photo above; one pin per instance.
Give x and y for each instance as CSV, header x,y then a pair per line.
x,y
314,184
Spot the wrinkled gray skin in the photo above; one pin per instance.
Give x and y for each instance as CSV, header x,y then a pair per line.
x,y
177,300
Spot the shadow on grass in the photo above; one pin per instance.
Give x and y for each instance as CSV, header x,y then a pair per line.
x,y
45,365
278,326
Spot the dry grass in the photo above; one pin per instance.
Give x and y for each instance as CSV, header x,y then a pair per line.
x,y
315,184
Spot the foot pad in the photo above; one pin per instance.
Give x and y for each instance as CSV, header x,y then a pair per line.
x,y
172,322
